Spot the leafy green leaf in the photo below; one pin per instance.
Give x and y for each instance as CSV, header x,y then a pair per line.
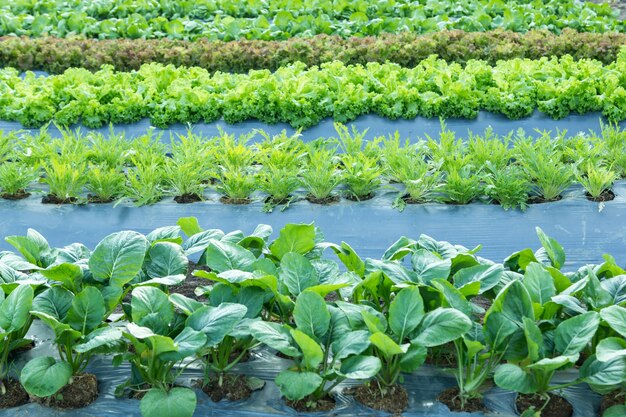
x,y
297,385
311,315
118,258
406,311
177,402
44,376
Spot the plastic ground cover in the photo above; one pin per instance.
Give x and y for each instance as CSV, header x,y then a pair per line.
x,y
423,387
378,126
587,230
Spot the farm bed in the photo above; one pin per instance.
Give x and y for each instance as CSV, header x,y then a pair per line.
x,y
584,228
423,388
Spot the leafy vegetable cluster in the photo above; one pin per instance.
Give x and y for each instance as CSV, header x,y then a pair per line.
x,y
385,317
269,20
281,169
303,96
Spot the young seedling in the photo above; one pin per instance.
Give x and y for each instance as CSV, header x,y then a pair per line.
x,y
321,175
508,186
462,185
105,184
15,177
65,180
361,175
145,183
597,181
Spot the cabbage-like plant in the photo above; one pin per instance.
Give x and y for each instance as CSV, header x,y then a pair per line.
x,y
15,320
324,348
536,350
160,341
80,332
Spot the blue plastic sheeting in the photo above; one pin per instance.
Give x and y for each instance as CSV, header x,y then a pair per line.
x,y
423,387
378,126
586,229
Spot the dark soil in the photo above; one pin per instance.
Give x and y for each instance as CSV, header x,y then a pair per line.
x,y
15,396
187,198
328,200
407,199
276,202
540,200
53,199
94,199
331,297
20,195
607,195
22,349
556,407
234,388
352,197
226,200
139,393
191,282
306,405
442,356
395,401
456,203
616,397
81,392
483,302
450,398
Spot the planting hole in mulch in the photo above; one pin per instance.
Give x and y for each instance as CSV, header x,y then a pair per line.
x,y
94,199
407,199
30,344
306,405
606,195
616,397
395,400
556,407
53,199
15,394
82,391
540,200
353,197
324,201
227,200
20,195
187,198
233,388
450,397
442,356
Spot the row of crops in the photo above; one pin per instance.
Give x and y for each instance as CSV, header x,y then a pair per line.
x,y
163,320
304,96
378,319
511,171
283,19
55,55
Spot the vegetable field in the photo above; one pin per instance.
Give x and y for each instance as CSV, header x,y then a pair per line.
x,y
330,208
